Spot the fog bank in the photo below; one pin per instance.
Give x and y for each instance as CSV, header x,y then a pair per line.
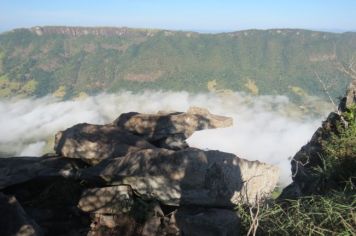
x,y
266,128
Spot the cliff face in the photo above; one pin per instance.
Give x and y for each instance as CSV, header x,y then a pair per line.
x,y
82,31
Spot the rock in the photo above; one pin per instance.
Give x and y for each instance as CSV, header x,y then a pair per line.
x,y
170,130
351,94
151,226
14,220
154,222
94,143
188,177
15,170
212,221
120,224
350,98
107,200
112,179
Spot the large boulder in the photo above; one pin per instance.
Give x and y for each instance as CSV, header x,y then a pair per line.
x,y
188,177
170,130
94,143
16,170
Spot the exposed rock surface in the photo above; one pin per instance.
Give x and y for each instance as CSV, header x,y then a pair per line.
x,y
135,176
350,97
97,31
170,130
17,170
188,177
94,143
107,200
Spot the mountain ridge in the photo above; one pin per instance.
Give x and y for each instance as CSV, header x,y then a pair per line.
x,y
51,28
68,61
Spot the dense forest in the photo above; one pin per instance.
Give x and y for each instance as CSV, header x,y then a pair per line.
x,y
74,61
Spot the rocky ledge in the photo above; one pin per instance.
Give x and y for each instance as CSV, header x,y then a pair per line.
x,y
134,176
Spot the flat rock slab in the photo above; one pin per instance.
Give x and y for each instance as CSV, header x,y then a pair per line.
x,y
15,170
176,126
94,143
188,177
107,200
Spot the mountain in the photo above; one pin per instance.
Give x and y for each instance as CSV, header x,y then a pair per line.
x,y
74,61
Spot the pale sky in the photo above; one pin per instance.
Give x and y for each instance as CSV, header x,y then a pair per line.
x,y
198,15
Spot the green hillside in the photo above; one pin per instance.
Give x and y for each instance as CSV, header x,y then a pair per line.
x,y
71,61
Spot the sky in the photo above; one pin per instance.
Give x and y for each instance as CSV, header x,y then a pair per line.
x,y
198,15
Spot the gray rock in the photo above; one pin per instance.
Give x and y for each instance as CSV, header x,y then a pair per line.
x,y
350,97
170,130
14,220
208,222
107,200
15,170
188,177
94,143
154,222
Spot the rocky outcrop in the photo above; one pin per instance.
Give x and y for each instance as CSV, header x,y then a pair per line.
x,y
94,143
107,200
170,130
22,169
130,178
310,160
188,177
350,97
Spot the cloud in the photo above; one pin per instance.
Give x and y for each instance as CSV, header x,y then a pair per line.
x,y
266,128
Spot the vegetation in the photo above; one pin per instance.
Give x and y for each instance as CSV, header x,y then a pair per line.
x,y
332,214
339,154
255,61
333,210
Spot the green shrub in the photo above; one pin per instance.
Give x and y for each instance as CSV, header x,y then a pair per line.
x,y
339,154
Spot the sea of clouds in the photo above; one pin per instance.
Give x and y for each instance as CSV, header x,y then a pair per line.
x,y
265,127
